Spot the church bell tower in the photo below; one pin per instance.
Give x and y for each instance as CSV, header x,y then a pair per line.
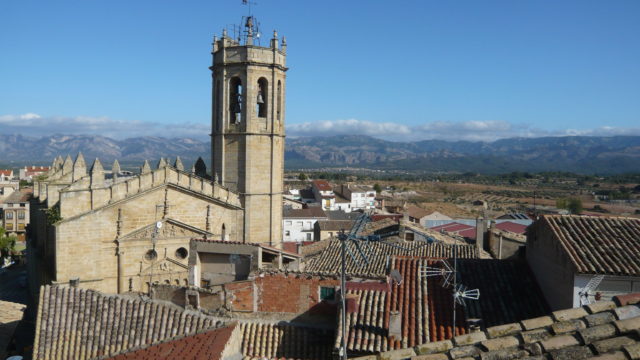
x,y
248,127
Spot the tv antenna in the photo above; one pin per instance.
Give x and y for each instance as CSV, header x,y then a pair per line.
x,y
250,24
459,291
587,292
362,245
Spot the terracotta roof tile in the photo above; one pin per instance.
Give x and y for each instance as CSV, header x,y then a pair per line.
x,y
310,212
615,339
335,225
597,245
281,341
508,291
328,259
205,345
75,323
10,314
425,307
322,185
511,227
417,212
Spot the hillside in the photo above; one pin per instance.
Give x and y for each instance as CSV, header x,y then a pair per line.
x,y
581,154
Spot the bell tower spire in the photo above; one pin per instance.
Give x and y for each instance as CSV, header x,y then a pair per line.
x,y
247,122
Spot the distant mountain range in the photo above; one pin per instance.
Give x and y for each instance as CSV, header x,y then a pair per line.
x,y
582,154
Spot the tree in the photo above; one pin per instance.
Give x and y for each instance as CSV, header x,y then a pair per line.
x,y
574,205
7,243
377,188
302,176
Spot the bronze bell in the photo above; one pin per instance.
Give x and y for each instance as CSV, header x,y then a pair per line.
x,y
260,99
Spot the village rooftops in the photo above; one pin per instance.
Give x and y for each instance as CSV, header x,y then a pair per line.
x,y
209,344
10,314
201,246
17,197
341,215
417,212
335,225
322,185
596,245
466,231
327,258
74,323
602,330
306,213
511,227
423,306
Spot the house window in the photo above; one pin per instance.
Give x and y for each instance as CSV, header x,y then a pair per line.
x,y
9,226
21,215
287,223
21,227
299,223
327,293
9,215
23,204
308,236
287,233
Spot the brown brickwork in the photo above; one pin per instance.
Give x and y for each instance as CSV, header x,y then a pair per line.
x,y
293,293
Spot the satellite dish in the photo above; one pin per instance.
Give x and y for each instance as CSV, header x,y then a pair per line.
x,y
159,225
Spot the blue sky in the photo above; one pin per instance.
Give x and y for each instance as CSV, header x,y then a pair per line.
x,y
401,70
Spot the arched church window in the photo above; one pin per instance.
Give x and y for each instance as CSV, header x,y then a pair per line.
x,y
223,233
235,100
261,99
279,100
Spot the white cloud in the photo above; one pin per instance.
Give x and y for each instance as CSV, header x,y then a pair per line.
x,y
443,130
348,127
31,124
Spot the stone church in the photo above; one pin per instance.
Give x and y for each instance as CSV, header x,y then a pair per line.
x,y
114,232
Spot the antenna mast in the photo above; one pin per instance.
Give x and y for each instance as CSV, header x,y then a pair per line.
x,y
251,25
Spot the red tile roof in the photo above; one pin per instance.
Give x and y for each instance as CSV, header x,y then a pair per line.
x,y
425,309
322,185
597,245
508,293
279,341
463,230
602,330
327,258
74,323
267,247
511,227
36,168
417,212
310,212
6,172
206,345
378,217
